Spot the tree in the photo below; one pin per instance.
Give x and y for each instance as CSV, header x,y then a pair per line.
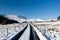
x,y
58,18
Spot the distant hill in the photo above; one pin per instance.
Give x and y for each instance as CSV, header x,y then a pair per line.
x,y
17,18
4,20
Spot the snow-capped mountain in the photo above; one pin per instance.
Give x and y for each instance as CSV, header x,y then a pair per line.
x,y
22,19
15,17
34,20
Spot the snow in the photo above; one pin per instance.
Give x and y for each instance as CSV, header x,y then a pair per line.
x,y
50,32
46,22
39,34
15,17
33,20
7,31
26,34
9,37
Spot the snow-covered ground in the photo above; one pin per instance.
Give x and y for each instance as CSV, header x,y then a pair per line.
x,y
51,32
26,34
40,35
10,29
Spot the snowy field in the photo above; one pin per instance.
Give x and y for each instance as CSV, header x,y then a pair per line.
x,y
10,29
51,32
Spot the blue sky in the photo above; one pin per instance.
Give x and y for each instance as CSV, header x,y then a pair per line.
x,y
43,9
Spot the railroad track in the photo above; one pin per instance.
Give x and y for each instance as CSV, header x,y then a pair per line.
x,y
27,33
